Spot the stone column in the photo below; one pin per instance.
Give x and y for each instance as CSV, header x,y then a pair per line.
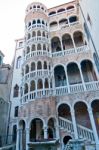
x,y
17,142
45,133
61,46
67,79
27,137
74,43
82,79
74,123
93,127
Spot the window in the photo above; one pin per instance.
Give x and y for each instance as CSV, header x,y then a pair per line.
x,y
16,111
16,91
20,44
18,63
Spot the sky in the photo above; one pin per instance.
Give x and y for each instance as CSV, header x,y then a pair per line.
x,y
12,14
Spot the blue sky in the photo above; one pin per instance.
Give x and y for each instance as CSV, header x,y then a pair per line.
x,y
12,13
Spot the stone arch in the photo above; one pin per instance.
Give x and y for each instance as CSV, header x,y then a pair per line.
x,y
73,73
55,44
67,41
60,76
88,71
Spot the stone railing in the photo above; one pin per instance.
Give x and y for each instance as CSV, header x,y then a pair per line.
x,y
37,74
61,91
83,132
37,39
76,50
37,53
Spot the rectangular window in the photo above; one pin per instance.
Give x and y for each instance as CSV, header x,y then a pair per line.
x,y
16,111
20,44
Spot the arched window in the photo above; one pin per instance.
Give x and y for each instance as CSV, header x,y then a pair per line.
x,y
18,63
16,91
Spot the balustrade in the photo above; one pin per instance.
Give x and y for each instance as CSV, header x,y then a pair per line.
x,y
60,91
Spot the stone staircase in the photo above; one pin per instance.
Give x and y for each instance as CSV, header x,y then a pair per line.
x,y
83,132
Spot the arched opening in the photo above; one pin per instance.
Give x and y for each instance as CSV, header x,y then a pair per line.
x,y
70,7
43,34
59,75
22,134
73,19
95,109
88,71
40,84
63,21
55,44
36,132
44,47
33,34
46,83
61,10
45,65
34,22
25,88
43,22
38,6
78,38
39,65
38,21
51,129
67,41
82,116
53,24
66,139
33,47
52,13
29,24
39,47
28,36
32,66
26,69
38,33
32,86
28,50
18,63
16,91
64,111
73,74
